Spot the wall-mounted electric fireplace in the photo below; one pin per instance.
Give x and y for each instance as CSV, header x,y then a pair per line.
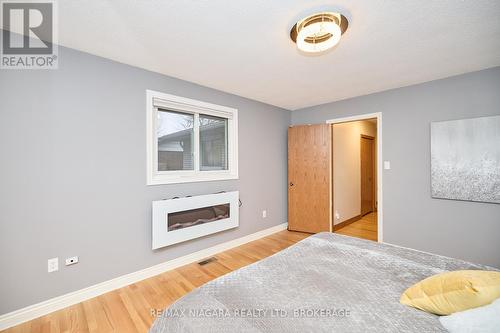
x,y
182,219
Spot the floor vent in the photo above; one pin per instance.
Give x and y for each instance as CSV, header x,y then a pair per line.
x,y
207,261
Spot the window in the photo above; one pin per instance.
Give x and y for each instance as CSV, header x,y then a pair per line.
x,y
189,140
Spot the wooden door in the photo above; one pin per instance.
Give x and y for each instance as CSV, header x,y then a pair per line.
x,y
367,150
309,178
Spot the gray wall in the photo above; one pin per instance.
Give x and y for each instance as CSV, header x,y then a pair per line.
x,y
467,230
73,171
73,174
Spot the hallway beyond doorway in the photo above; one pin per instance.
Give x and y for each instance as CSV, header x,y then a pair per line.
x,y
365,227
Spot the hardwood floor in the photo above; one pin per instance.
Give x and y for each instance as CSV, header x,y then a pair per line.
x,y
365,228
129,309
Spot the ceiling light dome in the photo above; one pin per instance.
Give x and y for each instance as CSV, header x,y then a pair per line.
x,y
318,32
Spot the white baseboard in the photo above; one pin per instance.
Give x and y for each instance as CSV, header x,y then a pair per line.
x,y
40,309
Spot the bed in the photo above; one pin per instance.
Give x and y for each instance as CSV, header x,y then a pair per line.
x,y
324,283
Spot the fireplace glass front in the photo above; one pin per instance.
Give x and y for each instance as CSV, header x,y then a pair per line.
x,y
193,217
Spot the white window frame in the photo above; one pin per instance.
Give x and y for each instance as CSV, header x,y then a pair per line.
x,y
155,100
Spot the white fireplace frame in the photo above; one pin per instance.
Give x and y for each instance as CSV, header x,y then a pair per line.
x,y
162,237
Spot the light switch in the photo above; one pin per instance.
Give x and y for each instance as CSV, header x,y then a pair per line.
x,y
387,165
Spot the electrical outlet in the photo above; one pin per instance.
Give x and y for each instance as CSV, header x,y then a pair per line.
x,y
72,260
53,265
387,165
337,215
264,214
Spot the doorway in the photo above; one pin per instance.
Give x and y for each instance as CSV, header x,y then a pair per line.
x,y
316,173
357,191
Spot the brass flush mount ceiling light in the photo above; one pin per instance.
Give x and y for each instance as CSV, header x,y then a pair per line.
x,y
319,32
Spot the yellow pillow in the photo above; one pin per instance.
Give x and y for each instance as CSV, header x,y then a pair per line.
x,y
450,292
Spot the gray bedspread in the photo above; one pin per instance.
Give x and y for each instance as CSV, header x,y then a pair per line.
x,y
325,283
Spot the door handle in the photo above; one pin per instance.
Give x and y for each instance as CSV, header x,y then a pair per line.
x,y
291,184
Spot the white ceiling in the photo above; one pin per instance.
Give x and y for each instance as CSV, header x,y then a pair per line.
x,y
243,47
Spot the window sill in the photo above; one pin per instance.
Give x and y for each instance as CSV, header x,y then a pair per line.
x,y
178,179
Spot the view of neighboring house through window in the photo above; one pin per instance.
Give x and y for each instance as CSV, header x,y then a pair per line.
x,y
175,140
175,133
